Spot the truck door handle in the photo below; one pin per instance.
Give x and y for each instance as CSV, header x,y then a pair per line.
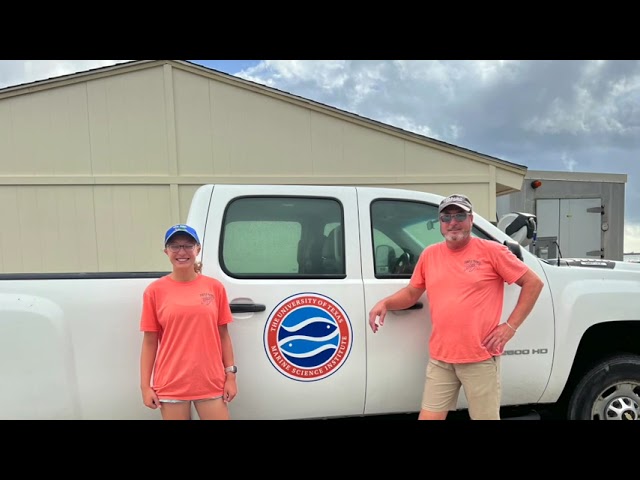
x,y
415,306
247,307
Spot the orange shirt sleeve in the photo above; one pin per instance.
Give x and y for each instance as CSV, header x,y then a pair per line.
x,y
224,310
149,319
508,266
418,279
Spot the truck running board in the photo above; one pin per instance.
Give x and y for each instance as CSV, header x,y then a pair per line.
x,y
528,416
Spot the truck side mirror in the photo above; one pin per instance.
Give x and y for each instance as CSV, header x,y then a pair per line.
x,y
515,248
519,226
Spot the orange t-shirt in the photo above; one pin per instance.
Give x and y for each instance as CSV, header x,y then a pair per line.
x,y
186,316
465,289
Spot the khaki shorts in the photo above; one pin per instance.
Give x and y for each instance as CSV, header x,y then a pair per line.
x,y
481,383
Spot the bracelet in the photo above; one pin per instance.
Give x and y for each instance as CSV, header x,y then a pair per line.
x,y
514,329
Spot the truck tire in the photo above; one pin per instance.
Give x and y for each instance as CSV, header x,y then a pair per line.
x,y
609,391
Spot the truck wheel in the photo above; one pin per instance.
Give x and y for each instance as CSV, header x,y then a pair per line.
x,y
609,391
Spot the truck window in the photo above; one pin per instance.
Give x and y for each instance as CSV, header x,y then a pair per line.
x,y
401,230
283,237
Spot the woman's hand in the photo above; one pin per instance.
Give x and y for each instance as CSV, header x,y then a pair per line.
x,y
230,388
150,398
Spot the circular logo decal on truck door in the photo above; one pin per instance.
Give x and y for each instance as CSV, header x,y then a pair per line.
x,y
308,337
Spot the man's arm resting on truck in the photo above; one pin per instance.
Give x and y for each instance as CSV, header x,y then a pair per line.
x,y
531,286
403,298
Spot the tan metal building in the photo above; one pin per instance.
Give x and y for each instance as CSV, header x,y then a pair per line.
x,y
95,166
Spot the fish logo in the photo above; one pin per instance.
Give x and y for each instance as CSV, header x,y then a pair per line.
x,y
308,337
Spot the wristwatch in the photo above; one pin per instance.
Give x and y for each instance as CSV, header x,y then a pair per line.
x,y
231,369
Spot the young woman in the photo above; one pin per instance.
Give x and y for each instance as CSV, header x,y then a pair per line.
x,y
187,353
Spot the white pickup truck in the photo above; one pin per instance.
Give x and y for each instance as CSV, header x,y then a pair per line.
x,y
303,265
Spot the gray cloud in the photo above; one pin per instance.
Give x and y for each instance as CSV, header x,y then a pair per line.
x,y
570,115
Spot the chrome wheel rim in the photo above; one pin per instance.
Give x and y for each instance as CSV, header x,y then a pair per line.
x,y
620,401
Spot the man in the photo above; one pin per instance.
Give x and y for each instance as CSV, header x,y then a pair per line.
x,y
464,279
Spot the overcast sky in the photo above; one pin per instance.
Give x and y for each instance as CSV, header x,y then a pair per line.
x,y
562,115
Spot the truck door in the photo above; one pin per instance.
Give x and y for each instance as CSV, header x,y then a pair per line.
x,y
289,257
395,227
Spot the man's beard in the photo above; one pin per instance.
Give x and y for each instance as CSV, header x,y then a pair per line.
x,y
456,235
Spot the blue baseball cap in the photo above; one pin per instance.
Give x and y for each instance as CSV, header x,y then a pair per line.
x,y
181,228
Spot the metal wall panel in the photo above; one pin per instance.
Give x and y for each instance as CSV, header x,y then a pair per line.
x,y
52,229
45,133
127,121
